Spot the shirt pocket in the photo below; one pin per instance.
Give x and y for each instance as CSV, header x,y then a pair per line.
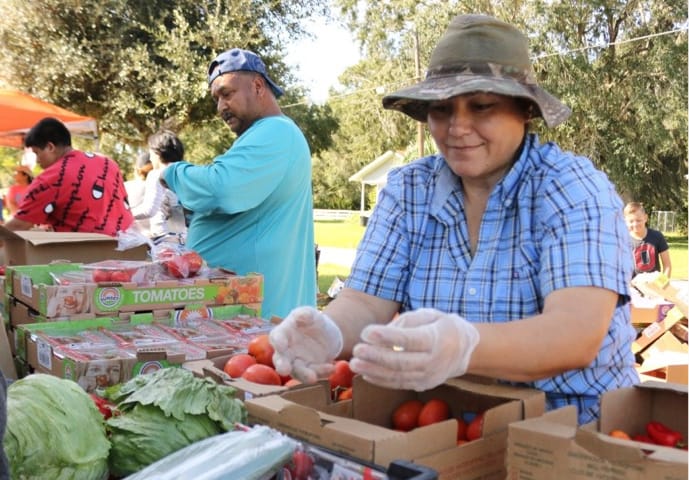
x,y
517,292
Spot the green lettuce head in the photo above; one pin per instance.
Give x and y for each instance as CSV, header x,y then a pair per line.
x,y
54,430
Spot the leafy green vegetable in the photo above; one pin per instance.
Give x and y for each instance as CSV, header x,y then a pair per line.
x,y
54,430
165,411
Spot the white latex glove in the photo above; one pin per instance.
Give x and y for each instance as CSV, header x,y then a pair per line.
x,y
306,344
429,347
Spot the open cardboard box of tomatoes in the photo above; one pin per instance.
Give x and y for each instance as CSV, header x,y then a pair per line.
x,y
213,368
553,446
362,427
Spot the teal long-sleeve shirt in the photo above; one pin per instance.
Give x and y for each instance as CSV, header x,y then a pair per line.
x,y
253,211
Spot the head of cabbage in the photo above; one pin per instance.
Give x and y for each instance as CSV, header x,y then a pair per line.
x,y
54,430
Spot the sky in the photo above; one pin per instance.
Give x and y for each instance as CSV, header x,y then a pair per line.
x,y
319,61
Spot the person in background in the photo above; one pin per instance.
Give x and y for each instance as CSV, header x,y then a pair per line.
x,y
23,176
503,256
76,191
252,207
649,247
136,187
159,205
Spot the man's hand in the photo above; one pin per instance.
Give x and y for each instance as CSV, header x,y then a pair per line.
x,y
306,344
417,351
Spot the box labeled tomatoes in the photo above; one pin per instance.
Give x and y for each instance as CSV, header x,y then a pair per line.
x,y
364,427
553,446
53,292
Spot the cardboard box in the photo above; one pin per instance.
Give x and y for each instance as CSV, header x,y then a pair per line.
x,y
21,314
645,310
554,447
361,428
132,329
33,286
657,284
6,362
653,331
33,247
80,351
666,359
213,368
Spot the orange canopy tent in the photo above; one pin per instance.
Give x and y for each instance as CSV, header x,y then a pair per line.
x,y
20,111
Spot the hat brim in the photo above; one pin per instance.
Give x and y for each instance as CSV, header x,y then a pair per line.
x,y
414,100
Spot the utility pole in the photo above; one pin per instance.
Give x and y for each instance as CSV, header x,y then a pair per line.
x,y
419,134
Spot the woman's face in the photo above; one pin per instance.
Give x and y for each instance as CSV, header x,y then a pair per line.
x,y
478,133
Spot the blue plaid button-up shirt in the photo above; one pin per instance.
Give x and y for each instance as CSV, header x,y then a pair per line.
x,y
554,221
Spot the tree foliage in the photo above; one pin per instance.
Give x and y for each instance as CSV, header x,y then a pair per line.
x,y
138,65
612,61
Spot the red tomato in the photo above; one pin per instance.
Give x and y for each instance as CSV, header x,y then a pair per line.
x,y
620,434
262,350
292,382
177,266
104,406
433,411
263,374
475,427
301,465
345,394
194,261
101,275
120,276
342,375
237,364
406,416
461,429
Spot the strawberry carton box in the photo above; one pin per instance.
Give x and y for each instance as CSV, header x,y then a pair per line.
x,y
554,446
35,286
362,428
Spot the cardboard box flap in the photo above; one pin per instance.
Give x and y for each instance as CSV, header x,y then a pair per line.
x,y
624,451
660,401
39,237
561,422
674,387
533,400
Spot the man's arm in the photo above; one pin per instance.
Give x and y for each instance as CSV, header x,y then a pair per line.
x,y
15,224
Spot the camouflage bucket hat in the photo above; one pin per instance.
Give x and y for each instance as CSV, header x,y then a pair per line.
x,y
478,53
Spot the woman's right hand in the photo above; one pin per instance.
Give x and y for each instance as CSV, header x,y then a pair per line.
x,y
306,344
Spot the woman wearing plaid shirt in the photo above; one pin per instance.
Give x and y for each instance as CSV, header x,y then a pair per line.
x,y
503,256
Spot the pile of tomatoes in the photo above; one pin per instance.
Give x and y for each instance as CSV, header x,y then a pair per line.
x,y
257,364
656,433
414,413
179,264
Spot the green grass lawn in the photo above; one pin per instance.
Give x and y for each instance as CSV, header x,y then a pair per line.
x,y
339,234
679,254
346,234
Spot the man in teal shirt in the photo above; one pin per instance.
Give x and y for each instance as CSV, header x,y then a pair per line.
x,y
252,208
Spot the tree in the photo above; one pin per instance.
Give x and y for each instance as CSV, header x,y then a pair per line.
x,y
620,64
137,66
624,74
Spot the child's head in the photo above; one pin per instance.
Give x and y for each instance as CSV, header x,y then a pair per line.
x,y
635,217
